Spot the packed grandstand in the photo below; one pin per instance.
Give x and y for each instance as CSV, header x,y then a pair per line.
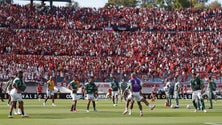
x,y
109,41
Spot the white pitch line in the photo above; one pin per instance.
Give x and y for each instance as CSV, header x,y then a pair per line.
x,y
212,123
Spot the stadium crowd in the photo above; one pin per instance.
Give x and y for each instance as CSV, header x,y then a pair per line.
x,y
64,41
151,19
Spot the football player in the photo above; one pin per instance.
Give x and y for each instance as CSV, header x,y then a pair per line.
x,y
19,86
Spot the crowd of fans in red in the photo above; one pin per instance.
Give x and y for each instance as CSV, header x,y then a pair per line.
x,y
15,16
74,41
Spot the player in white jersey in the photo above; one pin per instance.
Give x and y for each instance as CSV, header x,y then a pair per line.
x,y
167,92
129,99
176,91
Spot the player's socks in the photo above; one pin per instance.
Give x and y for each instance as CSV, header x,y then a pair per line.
x,y
10,115
194,104
19,111
94,105
151,106
177,101
71,108
202,103
130,112
170,101
9,105
74,107
211,104
87,109
141,113
15,111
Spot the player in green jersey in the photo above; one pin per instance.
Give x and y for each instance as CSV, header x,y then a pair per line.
x,y
197,88
1,92
73,86
123,86
211,87
8,89
115,91
90,89
16,94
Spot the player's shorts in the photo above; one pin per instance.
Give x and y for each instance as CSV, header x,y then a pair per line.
x,y
167,95
115,93
214,92
8,91
74,96
15,96
210,95
121,92
129,97
137,97
176,95
90,97
196,95
50,93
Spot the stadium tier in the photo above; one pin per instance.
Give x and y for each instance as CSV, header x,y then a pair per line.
x,y
142,19
65,41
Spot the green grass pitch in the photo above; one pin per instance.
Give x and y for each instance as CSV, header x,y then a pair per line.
x,y
109,115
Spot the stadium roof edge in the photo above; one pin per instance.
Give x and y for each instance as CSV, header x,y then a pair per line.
x,y
50,1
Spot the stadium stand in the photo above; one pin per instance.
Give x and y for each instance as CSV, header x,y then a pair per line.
x,y
65,41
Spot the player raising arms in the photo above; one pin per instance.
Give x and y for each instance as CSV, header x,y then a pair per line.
x,y
90,89
73,86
